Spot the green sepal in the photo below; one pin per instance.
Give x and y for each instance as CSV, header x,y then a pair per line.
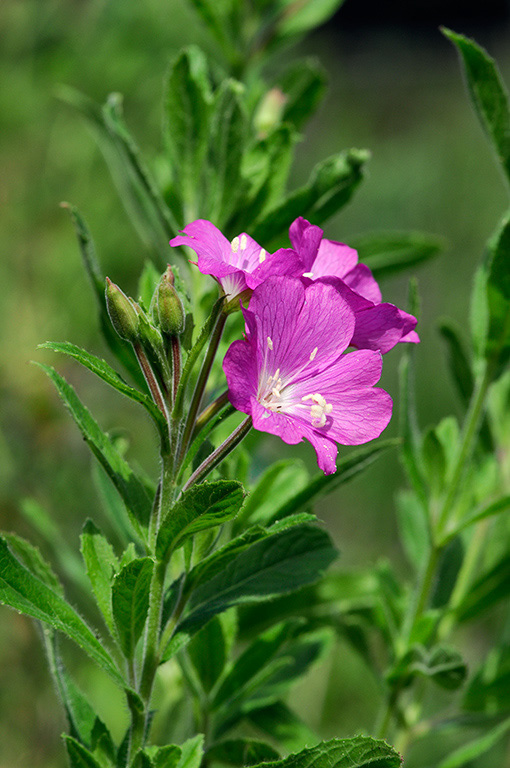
x,y
130,602
21,590
129,486
201,507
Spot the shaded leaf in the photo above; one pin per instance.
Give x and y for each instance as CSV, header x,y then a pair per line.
x,y
242,752
284,726
489,689
469,752
79,756
388,253
303,86
486,591
101,564
413,528
208,653
130,602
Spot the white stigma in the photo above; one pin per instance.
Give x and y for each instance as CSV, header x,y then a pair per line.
x,y
319,410
269,342
262,255
312,354
235,245
244,242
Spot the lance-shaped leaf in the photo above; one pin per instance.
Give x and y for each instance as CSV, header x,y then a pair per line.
x,y
359,752
108,374
227,139
130,602
129,486
137,189
101,564
497,349
329,188
279,483
202,506
122,351
188,104
31,558
79,756
21,590
488,94
321,484
388,253
465,755
303,86
272,566
409,428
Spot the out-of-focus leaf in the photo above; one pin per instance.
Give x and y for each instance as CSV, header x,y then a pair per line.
x,y
137,189
130,602
330,187
321,485
188,105
226,141
191,752
486,591
127,483
465,755
105,372
388,253
207,653
458,359
489,689
21,590
450,562
273,488
122,351
284,726
433,462
303,86
359,752
488,94
297,17
242,752
498,298
413,528
101,564
483,512
409,429
202,506
163,757
444,666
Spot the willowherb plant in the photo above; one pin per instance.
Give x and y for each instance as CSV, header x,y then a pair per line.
x,y
227,586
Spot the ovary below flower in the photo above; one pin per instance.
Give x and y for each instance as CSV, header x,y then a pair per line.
x,y
291,375
238,265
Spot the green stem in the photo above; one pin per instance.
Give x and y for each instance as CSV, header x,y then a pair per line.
x,y
151,380
209,412
220,453
205,370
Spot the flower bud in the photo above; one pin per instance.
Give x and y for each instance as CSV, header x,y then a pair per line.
x,y
122,313
169,306
269,112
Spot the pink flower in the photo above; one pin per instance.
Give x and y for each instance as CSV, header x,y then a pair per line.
x,y
378,325
291,375
239,265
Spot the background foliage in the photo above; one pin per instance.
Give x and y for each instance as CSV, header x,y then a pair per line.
x,y
430,170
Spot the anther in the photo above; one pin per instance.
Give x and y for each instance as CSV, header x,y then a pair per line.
x,y
244,242
308,274
235,245
262,255
269,342
312,354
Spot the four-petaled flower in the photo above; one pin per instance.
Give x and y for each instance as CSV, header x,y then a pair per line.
x,y
238,266
291,376
378,325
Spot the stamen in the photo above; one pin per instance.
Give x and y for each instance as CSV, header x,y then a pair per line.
x,y
308,274
319,410
244,242
269,342
312,354
262,255
235,244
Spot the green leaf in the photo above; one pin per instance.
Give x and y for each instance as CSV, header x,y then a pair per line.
x,y
489,690
444,666
459,364
227,139
202,506
321,485
488,94
207,653
242,752
31,558
330,187
122,351
272,566
274,487
188,104
409,429
299,17
110,376
79,756
21,590
137,189
130,602
284,726
433,462
127,483
101,564
359,752
486,591
450,562
112,504
164,757
413,527
483,512
497,349
192,752
465,755
389,253
303,86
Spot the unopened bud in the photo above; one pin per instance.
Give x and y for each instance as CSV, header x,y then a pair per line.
x,y
270,112
169,306
122,313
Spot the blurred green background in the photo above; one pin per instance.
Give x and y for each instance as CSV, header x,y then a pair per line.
x,y
395,91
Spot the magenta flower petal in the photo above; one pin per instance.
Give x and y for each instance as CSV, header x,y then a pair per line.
x,y
305,239
290,373
334,259
361,280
